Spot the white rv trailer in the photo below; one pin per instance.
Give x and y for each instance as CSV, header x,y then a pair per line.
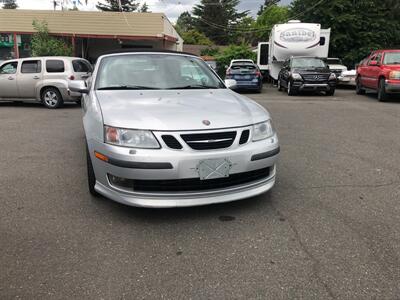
x,y
262,57
296,39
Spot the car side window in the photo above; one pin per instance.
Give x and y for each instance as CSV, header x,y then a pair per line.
x,y
9,68
371,59
378,57
55,66
31,66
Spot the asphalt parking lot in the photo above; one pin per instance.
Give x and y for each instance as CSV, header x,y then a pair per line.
x,y
329,228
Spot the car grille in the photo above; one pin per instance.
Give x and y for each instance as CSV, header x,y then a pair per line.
x,y
172,142
244,137
195,184
315,77
209,141
337,72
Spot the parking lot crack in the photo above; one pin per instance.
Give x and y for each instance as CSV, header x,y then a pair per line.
x,y
316,265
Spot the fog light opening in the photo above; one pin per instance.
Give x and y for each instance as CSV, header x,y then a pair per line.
x,y
120,182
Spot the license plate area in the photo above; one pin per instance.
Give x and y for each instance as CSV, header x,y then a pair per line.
x,y
214,168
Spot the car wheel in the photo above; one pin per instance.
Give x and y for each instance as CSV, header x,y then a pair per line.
x,y
51,98
91,175
359,88
382,95
290,90
331,92
279,85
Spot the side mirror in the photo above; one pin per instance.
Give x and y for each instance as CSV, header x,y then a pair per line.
x,y
373,63
231,83
78,86
86,76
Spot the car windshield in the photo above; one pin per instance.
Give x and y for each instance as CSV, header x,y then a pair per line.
x,y
307,62
392,58
155,72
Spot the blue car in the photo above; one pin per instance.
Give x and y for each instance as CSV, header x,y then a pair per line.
x,y
247,75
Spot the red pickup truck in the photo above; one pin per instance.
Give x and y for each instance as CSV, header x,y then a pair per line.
x,y
380,71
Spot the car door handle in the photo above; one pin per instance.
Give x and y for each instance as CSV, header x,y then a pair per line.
x,y
10,78
36,77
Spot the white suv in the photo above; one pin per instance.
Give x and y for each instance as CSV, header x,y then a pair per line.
x,y
44,79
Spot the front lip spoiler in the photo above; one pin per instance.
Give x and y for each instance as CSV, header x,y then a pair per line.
x,y
265,155
140,165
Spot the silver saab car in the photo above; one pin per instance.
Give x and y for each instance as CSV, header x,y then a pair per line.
x,y
163,130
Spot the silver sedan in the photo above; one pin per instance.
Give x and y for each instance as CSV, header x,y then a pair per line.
x,y
163,130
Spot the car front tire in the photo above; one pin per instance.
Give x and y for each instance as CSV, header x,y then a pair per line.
x,y
90,174
279,84
290,90
331,92
382,95
51,98
359,88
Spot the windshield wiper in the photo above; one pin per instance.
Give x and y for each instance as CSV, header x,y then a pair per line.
x,y
127,87
191,87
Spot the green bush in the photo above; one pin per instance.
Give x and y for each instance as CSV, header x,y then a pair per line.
x,y
43,44
233,52
209,51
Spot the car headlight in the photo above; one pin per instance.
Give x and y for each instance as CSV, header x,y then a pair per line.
x,y
296,76
130,138
394,75
262,131
332,76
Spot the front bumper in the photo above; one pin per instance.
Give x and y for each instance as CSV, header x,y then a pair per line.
x,y
346,80
392,86
304,86
141,164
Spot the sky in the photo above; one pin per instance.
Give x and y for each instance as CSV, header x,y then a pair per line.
x,y
172,8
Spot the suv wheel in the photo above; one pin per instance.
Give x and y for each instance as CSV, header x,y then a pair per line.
x,y
331,92
382,95
359,88
279,85
51,98
91,175
290,90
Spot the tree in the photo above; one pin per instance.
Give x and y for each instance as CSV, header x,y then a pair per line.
x,y
267,3
357,26
185,22
43,44
270,16
144,8
217,19
193,37
10,4
113,5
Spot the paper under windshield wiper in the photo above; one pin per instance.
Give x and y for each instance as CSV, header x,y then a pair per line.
x,y
190,87
127,87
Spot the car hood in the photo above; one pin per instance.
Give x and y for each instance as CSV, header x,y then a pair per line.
x,y
392,67
338,67
178,109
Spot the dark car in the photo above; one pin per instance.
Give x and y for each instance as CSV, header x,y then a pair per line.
x,y
247,76
306,74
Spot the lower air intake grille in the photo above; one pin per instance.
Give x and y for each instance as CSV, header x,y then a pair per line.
x,y
195,184
209,141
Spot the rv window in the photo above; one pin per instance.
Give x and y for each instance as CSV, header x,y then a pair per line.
x,y
322,41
